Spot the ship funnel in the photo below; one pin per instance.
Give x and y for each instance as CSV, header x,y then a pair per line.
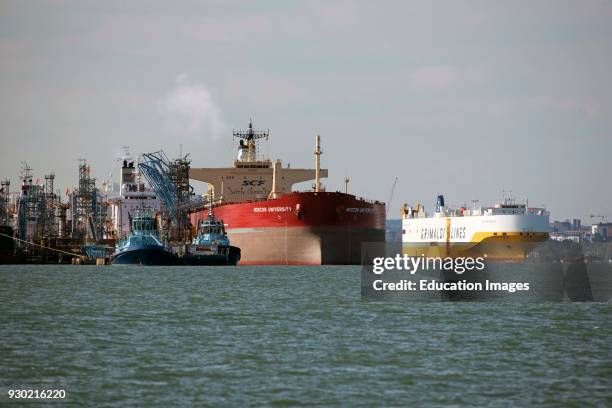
x,y
128,173
404,211
440,204
243,151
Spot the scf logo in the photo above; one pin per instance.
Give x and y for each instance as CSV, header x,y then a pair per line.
x,y
253,182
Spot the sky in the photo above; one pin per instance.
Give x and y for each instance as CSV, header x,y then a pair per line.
x,y
463,98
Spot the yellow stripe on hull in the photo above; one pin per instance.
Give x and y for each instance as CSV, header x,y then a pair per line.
x,y
493,245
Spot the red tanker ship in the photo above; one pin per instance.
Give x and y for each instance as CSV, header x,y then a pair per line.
x,y
274,225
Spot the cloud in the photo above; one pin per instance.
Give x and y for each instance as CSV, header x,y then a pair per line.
x,y
257,88
221,30
189,109
307,20
435,77
445,77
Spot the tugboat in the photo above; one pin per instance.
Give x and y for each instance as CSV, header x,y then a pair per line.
x,y
143,246
211,246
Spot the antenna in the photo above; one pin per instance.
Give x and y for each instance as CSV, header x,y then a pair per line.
x,y
26,171
251,138
508,199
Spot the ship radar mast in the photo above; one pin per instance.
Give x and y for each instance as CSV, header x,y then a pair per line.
x,y
247,149
508,198
211,198
26,173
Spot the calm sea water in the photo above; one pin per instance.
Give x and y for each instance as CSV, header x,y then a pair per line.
x,y
287,336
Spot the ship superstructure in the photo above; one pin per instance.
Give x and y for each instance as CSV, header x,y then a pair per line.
x,y
134,195
252,177
505,230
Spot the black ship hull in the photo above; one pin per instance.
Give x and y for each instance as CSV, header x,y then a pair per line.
x,y
7,245
146,255
229,256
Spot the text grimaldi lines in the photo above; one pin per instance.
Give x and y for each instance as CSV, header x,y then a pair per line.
x,y
441,233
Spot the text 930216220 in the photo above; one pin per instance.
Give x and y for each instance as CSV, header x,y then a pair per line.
x,y
36,394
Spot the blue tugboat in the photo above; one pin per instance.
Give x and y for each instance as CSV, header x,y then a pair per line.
x,y
143,246
211,246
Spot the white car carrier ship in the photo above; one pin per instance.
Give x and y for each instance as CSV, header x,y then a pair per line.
x,y
507,230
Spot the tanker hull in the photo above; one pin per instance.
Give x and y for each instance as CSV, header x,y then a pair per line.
x,y
302,228
304,245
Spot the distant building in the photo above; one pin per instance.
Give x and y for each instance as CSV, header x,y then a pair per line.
x,y
602,231
561,226
573,236
569,230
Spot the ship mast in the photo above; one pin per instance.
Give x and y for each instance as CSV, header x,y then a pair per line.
x,y
211,198
318,154
250,136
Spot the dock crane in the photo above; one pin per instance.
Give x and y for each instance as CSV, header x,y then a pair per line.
x,y
391,196
601,217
